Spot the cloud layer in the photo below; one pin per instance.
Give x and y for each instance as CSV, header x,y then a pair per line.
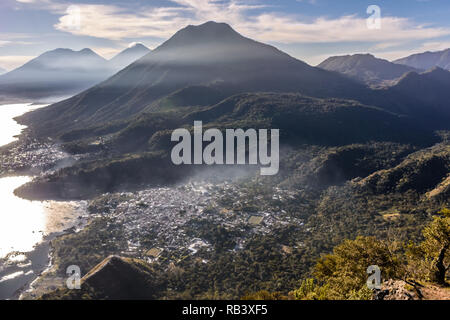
x,y
114,22
110,28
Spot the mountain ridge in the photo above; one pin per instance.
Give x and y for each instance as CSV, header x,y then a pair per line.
x,y
118,277
60,73
128,55
427,60
416,90
366,68
238,62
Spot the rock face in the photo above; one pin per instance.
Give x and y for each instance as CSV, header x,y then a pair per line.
x,y
395,290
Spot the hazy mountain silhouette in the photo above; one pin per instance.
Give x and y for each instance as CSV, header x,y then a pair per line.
x,y
423,94
59,72
427,60
129,55
209,56
366,68
2,71
62,72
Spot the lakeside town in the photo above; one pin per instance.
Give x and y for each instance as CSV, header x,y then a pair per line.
x,y
33,157
169,212
165,225
161,224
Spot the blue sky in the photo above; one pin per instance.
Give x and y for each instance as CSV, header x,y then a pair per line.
x,y
310,30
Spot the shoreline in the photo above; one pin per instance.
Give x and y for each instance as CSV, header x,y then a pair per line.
x,y
28,291
28,156
19,270
32,265
37,261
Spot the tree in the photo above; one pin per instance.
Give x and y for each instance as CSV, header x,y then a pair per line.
x,y
264,295
342,274
436,246
310,290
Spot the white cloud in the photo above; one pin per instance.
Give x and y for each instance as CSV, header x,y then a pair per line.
x,y
435,46
118,23
51,5
132,44
12,62
16,42
343,29
113,22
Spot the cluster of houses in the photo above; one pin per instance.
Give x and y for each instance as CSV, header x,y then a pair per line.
x,y
158,220
33,156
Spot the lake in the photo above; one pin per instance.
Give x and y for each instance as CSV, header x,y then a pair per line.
x,y
8,127
26,226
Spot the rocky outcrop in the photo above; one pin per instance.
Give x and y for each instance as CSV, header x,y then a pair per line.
x,y
402,290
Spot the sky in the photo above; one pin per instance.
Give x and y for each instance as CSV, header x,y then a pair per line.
x,y
310,30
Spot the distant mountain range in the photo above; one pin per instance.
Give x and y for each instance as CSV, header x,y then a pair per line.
x,y
212,73
129,55
202,65
2,71
425,93
427,60
397,88
366,68
198,65
62,72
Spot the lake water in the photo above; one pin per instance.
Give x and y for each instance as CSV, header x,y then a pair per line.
x,y
8,127
25,224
